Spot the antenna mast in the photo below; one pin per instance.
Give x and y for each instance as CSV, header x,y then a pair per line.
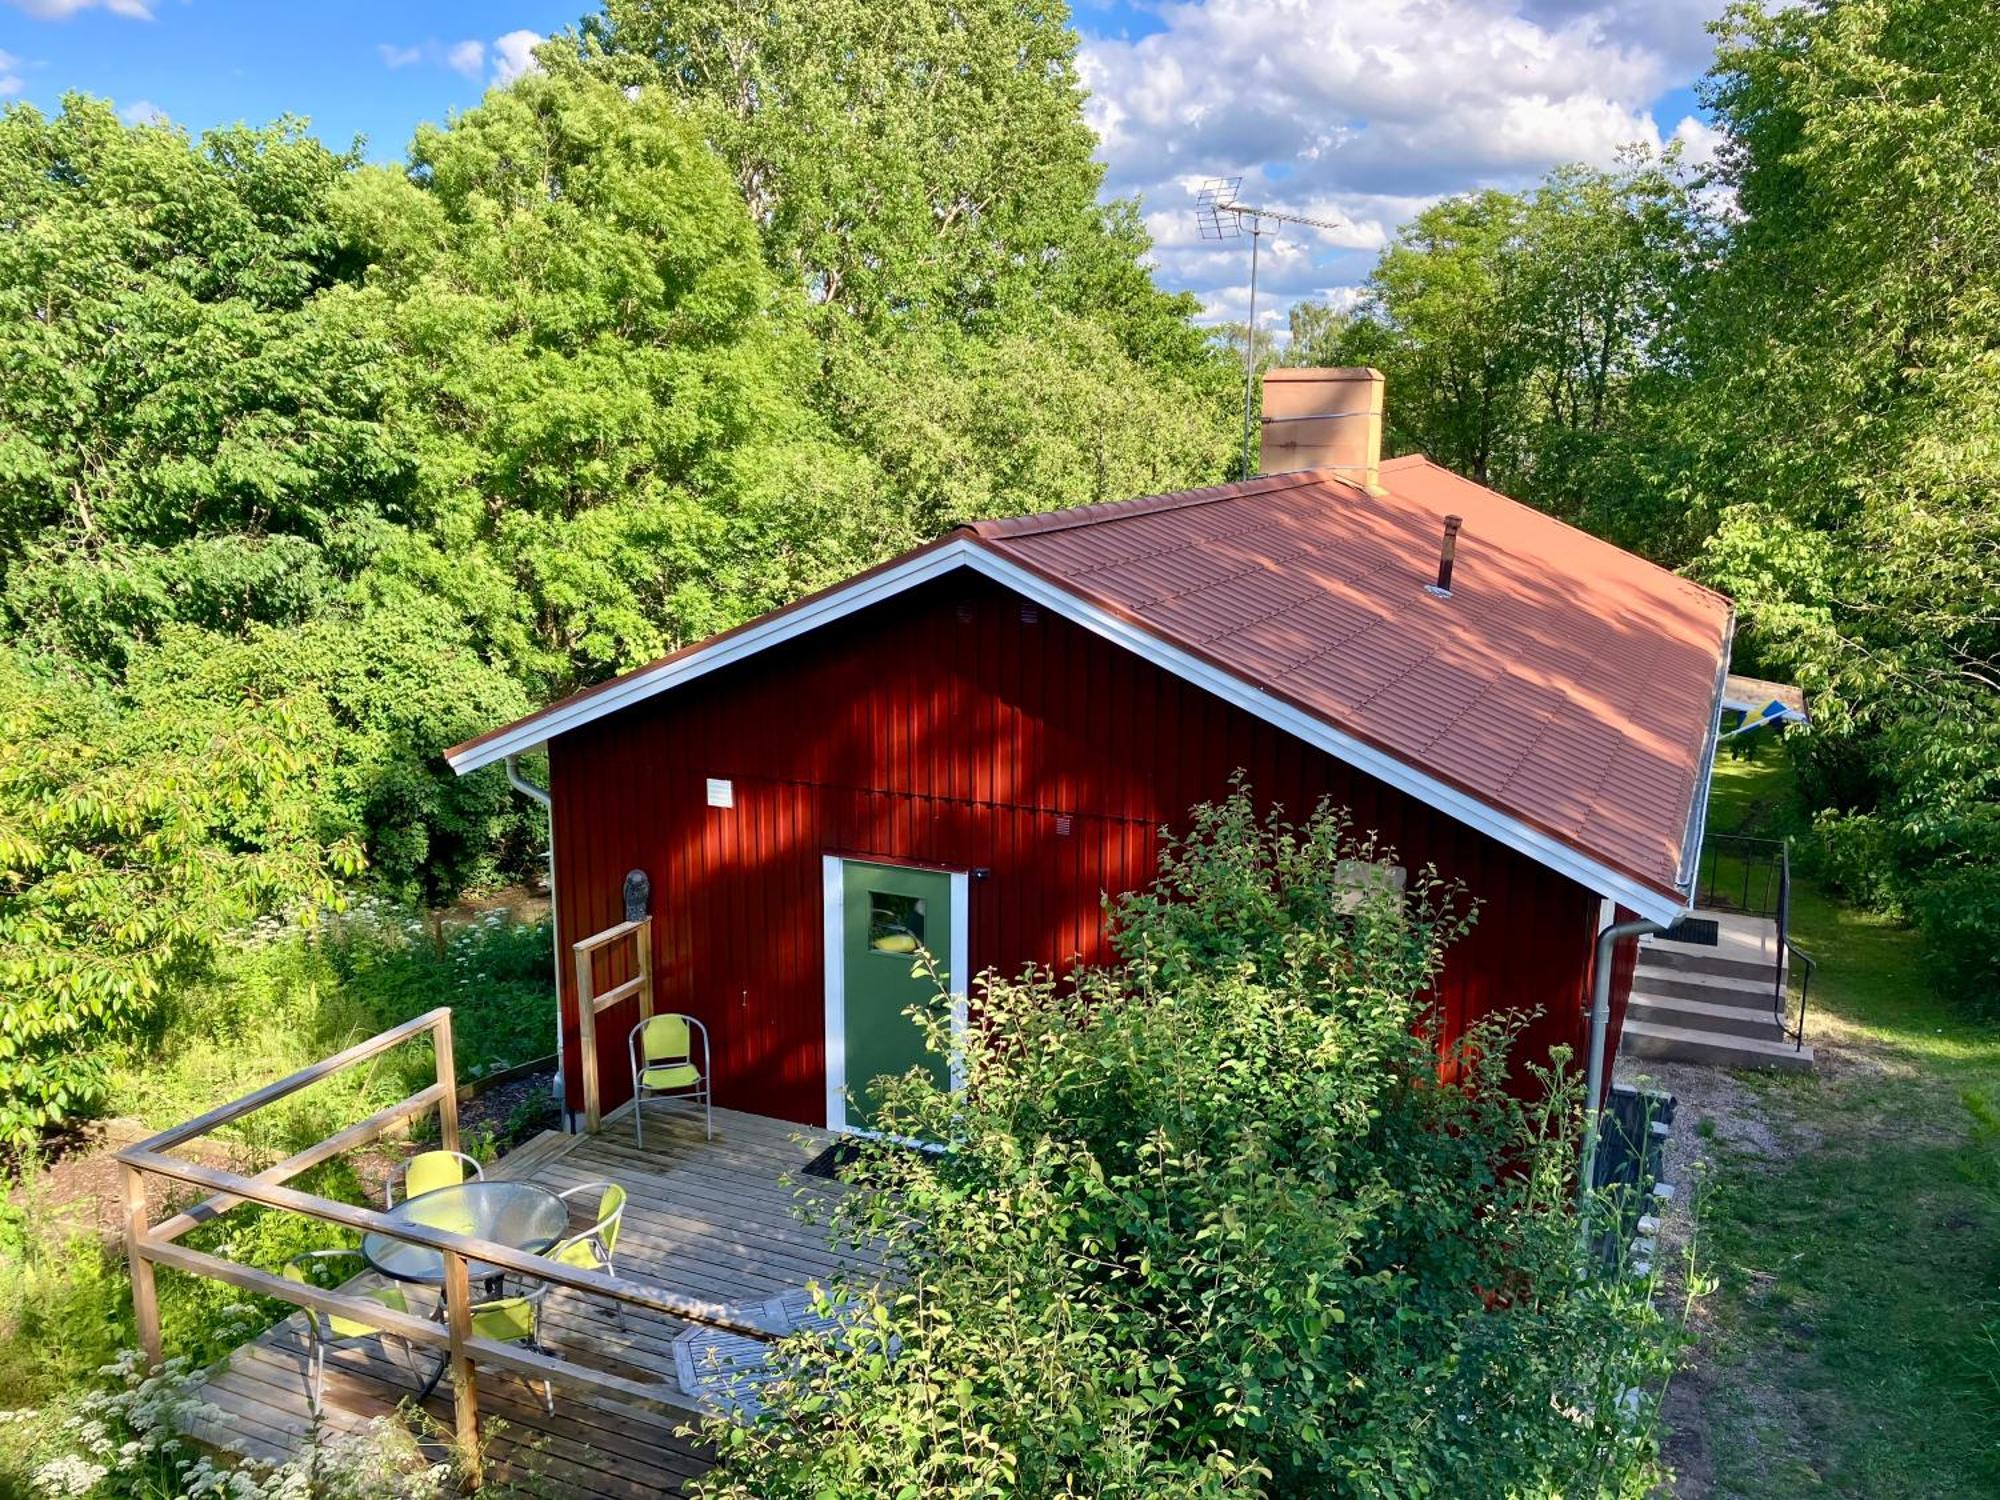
x,y
1220,216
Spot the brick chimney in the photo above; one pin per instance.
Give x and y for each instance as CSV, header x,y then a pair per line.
x,y
1324,419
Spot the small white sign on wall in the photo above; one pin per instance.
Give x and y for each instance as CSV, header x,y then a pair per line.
x,y
721,793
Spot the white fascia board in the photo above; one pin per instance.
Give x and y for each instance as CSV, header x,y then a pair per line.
x,y
1697,829
1447,799
646,683
968,553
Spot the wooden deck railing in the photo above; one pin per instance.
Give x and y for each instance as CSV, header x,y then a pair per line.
x,y
590,1005
151,1245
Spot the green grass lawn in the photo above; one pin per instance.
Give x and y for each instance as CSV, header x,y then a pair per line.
x,y
1856,1332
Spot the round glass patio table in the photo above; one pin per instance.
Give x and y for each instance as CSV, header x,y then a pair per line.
x,y
516,1214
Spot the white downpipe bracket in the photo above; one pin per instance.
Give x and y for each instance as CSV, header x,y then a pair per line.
x,y
534,793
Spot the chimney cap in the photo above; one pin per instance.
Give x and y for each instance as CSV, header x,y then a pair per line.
x,y
1284,373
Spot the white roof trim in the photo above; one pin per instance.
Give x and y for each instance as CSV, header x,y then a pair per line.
x,y
966,553
644,684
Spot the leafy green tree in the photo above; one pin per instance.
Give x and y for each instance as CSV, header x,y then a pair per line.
x,y
1208,1224
598,384
1317,331
966,427
1847,421
1444,307
923,177
902,161
131,844
181,421
391,690
1532,341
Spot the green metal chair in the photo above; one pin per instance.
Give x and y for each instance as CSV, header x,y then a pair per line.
x,y
323,1329
429,1170
663,1066
593,1249
516,1320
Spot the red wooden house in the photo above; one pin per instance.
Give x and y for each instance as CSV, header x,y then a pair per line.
x,y
973,743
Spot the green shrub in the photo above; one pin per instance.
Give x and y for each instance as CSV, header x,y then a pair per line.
x,y
1958,913
132,843
279,999
125,1441
1208,1222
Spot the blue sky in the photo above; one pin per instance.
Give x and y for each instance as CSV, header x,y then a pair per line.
x,y
1361,113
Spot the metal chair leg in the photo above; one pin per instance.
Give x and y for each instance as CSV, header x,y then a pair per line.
x,y
315,1367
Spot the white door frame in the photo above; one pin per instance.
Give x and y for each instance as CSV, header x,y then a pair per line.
x,y
833,961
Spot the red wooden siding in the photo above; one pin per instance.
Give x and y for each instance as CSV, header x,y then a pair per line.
x,y
953,726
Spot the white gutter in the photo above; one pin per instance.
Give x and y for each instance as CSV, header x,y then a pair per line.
x,y
1697,829
534,793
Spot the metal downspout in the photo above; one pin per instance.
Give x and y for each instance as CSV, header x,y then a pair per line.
x,y
1600,1023
534,793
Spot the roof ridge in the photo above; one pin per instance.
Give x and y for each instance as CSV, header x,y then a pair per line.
x,y
1042,522
1408,460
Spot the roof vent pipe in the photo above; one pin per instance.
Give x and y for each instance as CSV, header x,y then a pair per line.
x,y
1446,553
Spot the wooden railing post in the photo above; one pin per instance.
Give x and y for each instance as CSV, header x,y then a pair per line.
x,y
464,1382
447,1077
589,1003
586,1036
644,938
145,1295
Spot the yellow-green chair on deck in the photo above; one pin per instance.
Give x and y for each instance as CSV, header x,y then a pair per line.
x,y
516,1320
327,1328
428,1171
663,1067
593,1249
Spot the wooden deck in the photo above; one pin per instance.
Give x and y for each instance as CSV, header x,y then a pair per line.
x,y
708,1218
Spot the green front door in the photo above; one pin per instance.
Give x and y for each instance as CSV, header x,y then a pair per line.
x,y
887,914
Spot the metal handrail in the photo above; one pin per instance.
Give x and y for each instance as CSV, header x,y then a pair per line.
x,y
1798,1032
1764,871
1784,915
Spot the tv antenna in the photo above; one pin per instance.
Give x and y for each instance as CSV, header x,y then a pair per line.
x,y
1220,216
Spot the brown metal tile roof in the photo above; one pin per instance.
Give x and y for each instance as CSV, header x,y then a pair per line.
x,y
1566,683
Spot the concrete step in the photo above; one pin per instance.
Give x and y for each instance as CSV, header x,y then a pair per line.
x,y
1716,989
1702,1015
1685,958
1679,1044
1739,941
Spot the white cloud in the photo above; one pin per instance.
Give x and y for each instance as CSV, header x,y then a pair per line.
x,y
511,55
514,54
10,79
1365,114
143,112
1699,141
62,10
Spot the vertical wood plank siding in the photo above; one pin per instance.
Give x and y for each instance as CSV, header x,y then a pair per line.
x,y
953,726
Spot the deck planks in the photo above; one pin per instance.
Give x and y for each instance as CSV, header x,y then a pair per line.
x,y
714,1219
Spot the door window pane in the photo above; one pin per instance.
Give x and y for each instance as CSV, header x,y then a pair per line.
x,y
895,923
